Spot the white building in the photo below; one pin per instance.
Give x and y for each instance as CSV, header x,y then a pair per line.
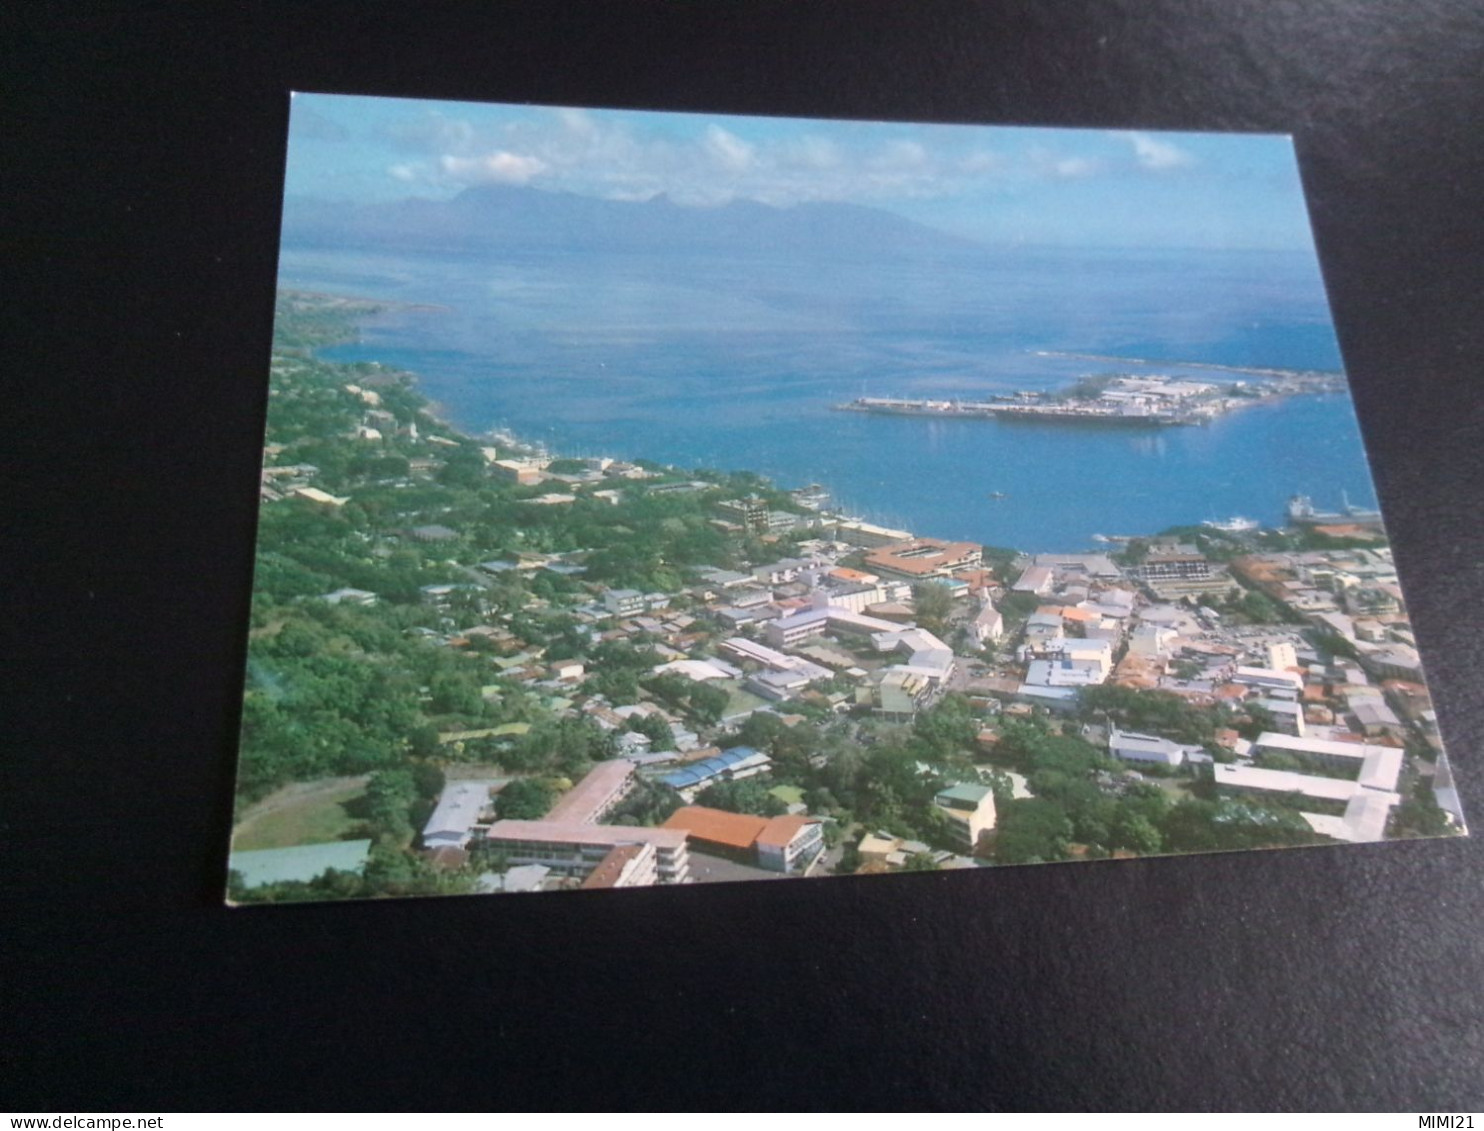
x,y
970,811
1273,682
1288,715
988,626
1281,656
623,602
1064,673
460,807
1153,640
1358,813
1130,746
1376,767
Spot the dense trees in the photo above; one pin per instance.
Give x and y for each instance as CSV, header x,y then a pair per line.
x,y
1199,825
1157,712
525,799
1102,807
746,796
1030,831
653,727
344,689
1018,606
699,702
1255,607
933,604
650,804
566,746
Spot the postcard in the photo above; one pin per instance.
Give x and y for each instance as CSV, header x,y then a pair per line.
x,y
666,499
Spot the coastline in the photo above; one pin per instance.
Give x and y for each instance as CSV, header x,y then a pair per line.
x,y
1031,511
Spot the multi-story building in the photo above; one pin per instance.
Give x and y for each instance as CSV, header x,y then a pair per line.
x,y
577,850
868,534
522,472
623,602
1173,563
786,632
1332,807
900,694
569,840
970,811
751,512
1375,766
625,866
594,797
923,558
779,844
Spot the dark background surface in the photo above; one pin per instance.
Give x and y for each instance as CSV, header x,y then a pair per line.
x,y
146,149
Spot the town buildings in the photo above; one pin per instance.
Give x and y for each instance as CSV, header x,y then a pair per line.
x,y
819,639
571,842
777,844
970,810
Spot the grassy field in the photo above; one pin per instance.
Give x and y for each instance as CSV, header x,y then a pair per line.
x,y
738,701
1178,789
303,813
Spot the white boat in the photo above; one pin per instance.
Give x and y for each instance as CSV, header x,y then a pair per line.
x,y
1234,525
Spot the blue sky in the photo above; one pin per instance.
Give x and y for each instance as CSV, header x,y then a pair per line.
x,y
999,184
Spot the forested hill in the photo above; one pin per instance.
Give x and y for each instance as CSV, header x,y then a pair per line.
x,y
513,218
365,490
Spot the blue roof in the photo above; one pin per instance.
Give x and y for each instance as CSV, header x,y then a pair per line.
x,y
708,768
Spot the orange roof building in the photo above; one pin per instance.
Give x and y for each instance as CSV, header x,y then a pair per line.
x,y
923,558
716,829
626,866
778,844
1083,616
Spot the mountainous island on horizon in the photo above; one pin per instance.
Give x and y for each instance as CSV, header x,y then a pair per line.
x,y
519,218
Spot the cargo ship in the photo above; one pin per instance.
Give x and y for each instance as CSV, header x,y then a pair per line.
x,y
1301,512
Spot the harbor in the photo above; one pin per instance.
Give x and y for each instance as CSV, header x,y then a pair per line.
x,y
1135,416
1116,400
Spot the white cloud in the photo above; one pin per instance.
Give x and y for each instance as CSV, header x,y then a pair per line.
x,y
595,154
812,152
1048,165
901,156
432,133
578,122
981,162
1154,153
499,168
1071,168
728,150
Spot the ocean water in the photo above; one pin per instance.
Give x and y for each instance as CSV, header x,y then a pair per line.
x,y
735,363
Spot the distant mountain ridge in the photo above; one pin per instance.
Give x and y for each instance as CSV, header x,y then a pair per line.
x,y
517,218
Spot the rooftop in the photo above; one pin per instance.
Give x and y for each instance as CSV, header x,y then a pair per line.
x,y
735,830
566,832
583,801
970,795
